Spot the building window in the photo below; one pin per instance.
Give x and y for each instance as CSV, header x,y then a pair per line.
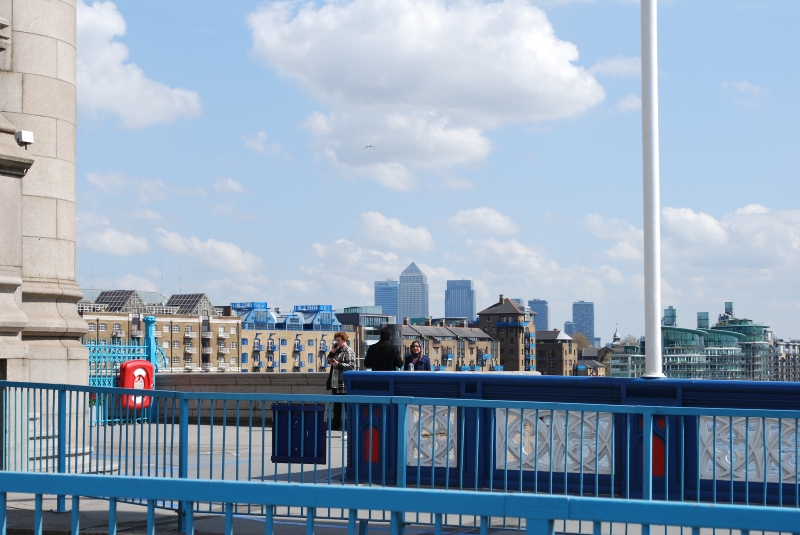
x,y
188,328
221,330
244,358
176,344
311,358
494,330
222,344
165,345
310,343
176,328
233,345
188,343
233,329
283,341
283,358
117,327
102,327
165,328
489,319
245,341
92,326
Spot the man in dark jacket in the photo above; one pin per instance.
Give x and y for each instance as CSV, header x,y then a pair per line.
x,y
383,356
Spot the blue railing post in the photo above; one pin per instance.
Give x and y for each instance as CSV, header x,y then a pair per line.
x,y
184,516
150,343
647,469
61,500
402,420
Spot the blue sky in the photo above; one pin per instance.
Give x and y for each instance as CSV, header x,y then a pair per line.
x,y
224,141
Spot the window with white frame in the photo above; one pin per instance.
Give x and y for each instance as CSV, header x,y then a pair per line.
x,y
165,328
176,328
165,345
176,344
117,327
221,330
233,345
102,328
92,327
233,329
188,329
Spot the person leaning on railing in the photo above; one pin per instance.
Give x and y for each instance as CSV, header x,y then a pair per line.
x,y
383,356
341,359
417,361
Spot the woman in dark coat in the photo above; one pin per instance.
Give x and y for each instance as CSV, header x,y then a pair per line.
x,y
416,361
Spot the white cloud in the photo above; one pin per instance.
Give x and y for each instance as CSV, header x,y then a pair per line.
x,y
211,254
629,239
617,66
113,242
109,183
744,93
107,83
420,79
227,185
258,143
686,225
482,220
134,282
146,189
390,233
149,215
629,103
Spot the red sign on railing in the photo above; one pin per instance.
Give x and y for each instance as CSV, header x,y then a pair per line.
x,y
137,374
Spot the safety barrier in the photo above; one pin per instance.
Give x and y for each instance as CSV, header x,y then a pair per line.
x,y
593,451
538,513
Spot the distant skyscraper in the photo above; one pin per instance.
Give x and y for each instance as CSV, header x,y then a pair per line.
x,y
518,300
459,300
583,318
413,294
386,296
569,327
542,310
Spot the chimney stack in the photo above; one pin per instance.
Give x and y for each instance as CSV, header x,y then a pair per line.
x,y
405,321
502,298
427,322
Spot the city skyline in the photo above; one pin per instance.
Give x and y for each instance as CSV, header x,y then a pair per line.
x,y
461,169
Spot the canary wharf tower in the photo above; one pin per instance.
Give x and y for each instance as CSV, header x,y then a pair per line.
x,y
413,293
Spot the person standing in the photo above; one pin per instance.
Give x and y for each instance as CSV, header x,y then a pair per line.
x,y
341,359
383,356
417,361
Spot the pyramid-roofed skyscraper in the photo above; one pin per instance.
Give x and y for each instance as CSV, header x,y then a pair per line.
x,y
413,294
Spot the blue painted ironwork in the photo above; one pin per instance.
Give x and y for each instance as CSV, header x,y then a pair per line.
x,y
537,513
454,444
105,359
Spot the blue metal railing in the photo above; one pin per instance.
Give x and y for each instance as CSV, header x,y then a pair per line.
x,y
610,452
538,514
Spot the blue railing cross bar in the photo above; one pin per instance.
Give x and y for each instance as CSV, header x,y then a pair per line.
x,y
540,510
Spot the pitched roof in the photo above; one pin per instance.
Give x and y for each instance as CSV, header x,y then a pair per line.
x,y
552,336
186,303
89,296
153,298
115,300
412,269
506,306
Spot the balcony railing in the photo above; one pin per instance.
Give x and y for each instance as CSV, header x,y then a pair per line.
x,y
190,350
207,334
224,335
118,334
136,333
207,350
189,334
223,350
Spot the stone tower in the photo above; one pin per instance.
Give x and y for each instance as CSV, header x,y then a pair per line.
x,y
40,328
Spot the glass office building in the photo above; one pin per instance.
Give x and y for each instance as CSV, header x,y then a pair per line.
x,y
583,318
459,300
387,297
542,318
412,294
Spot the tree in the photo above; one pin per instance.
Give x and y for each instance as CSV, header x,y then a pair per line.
x,y
630,340
581,341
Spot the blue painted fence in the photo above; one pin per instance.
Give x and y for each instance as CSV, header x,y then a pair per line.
x,y
105,359
539,513
590,451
